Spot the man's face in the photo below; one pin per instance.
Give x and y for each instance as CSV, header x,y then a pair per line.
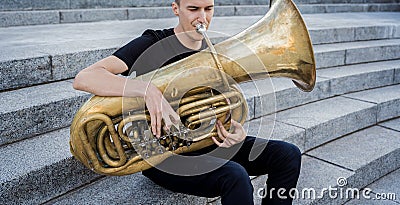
x,y
191,13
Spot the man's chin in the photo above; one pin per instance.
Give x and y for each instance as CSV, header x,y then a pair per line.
x,y
197,37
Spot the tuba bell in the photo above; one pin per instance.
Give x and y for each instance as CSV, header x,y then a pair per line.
x,y
111,135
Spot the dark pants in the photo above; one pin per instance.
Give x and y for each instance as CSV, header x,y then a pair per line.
x,y
214,174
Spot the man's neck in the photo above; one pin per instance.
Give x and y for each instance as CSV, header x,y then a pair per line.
x,y
186,41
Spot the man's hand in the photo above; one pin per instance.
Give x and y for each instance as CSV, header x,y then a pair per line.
x,y
229,139
159,109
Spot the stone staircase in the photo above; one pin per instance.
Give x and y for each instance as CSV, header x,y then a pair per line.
x,y
348,126
20,13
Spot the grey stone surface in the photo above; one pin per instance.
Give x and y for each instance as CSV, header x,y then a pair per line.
x,y
11,5
250,10
337,8
325,57
150,13
375,51
332,35
100,10
68,65
279,94
345,79
388,185
371,200
131,189
22,18
396,31
386,98
84,4
309,9
356,20
34,110
21,73
397,76
317,175
38,169
7,5
340,116
24,42
85,15
330,55
261,88
371,153
251,108
63,4
373,32
50,4
247,89
267,128
225,11
392,124
389,7
23,157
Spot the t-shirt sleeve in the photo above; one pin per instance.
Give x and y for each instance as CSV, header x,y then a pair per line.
x,y
130,52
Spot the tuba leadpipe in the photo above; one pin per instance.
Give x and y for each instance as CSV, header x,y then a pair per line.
x,y
111,135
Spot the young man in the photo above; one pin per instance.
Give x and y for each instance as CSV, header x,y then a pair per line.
x,y
224,173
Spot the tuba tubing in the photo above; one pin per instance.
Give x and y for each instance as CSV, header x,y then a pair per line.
x,y
278,45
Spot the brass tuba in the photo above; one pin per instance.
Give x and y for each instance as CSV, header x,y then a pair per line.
x,y
111,136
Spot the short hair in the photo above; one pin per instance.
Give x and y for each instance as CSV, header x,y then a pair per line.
x,y
177,1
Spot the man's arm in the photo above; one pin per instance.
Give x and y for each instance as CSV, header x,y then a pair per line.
x,y
101,79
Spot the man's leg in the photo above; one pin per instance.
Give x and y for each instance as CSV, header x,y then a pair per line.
x,y
280,160
230,180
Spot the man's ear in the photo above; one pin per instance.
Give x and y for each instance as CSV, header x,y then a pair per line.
x,y
175,8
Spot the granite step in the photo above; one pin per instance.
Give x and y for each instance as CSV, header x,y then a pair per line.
x,y
40,168
387,99
305,130
341,166
384,191
38,114
39,17
337,54
35,110
137,189
383,103
330,82
69,48
6,5
352,162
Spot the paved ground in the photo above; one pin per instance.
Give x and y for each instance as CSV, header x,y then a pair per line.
x,y
33,41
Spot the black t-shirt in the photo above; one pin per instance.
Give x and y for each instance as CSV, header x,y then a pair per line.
x,y
152,50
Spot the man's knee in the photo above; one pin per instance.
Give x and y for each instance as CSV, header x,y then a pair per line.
x,y
235,175
287,156
293,158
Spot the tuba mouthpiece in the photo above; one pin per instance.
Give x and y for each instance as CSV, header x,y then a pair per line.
x,y
200,28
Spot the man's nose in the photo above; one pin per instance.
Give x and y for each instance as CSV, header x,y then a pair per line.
x,y
201,18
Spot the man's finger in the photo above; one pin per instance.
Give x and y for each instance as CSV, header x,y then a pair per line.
x,y
174,119
220,135
153,123
235,123
158,121
216,141
223,130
